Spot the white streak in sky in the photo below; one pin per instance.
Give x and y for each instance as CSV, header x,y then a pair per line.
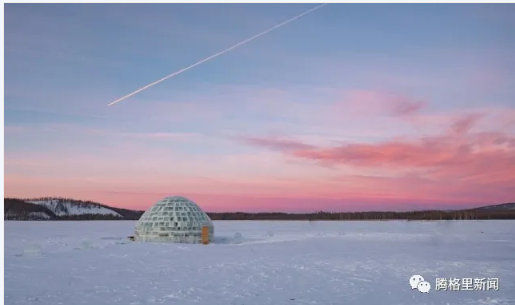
x,y
216,55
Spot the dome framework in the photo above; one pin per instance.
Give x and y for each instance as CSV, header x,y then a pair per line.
x,y
174,219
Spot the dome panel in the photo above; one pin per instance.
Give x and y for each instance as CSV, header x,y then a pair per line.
x,y
173,219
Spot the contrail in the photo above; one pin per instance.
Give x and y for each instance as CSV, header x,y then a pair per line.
x,y
216,55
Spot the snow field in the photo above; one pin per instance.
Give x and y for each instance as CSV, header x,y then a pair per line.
x,y
269,262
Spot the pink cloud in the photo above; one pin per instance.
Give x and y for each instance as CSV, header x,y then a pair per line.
x,y
440,150
483,119
275,143
451,163
465,123
380,102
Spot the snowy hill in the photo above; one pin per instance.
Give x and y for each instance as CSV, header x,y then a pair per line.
x,y
499,207
54,208
15,209
69,207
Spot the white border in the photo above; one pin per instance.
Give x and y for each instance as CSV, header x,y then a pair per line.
x,y
119,1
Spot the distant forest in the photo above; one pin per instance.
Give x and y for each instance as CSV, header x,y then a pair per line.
x,y
353,216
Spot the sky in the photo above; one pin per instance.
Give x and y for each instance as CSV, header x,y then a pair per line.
x,y
353,107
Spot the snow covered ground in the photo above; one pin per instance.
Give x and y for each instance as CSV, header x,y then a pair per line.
x,y
251,263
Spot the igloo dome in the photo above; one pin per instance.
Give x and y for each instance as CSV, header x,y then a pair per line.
x,y
173,219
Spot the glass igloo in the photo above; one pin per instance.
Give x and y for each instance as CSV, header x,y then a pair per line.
x,y
173,219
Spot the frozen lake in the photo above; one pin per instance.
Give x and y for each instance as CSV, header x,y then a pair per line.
x,y
272,262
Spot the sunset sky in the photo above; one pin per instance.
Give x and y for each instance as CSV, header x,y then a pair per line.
x,y
352,107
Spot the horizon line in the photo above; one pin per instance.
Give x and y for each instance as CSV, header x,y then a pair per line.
x,y
270,212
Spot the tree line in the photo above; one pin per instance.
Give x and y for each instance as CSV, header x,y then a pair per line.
x,y
353,216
